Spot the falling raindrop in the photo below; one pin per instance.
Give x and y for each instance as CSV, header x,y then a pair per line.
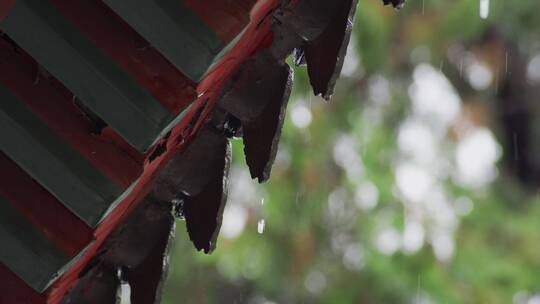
x,y
261,223
506,62
497,81
125,293
516,148
260,226
418,296
484,9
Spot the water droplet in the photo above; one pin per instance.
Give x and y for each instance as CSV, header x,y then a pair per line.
x,y
484,9
260,226
124,293
122,274
178,208
506,62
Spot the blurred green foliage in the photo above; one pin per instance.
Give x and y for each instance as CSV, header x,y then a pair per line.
x,y
332,218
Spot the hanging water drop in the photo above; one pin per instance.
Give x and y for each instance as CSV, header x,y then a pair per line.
x,y
484,9
178,208
123,294
260,226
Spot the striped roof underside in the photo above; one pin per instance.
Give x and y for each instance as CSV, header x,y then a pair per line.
x,y
87,88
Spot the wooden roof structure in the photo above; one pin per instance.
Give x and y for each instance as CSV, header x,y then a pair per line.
x,y
114,112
